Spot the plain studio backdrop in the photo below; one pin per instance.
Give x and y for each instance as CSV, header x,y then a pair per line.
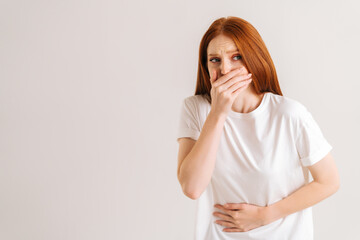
x,y
90,95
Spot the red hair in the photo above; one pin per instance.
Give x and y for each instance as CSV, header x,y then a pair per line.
x,y
255,55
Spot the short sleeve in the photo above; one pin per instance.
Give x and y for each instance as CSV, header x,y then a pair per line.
x,y
311,143
189,121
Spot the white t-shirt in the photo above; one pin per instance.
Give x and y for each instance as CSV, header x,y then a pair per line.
x,y
261,159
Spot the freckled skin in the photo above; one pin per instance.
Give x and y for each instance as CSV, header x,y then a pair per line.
x,y
223,56
225,62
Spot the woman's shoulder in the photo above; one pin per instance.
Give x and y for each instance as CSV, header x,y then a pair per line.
x,y
198,101
198,105
287,106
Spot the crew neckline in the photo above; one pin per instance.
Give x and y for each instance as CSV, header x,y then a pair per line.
x,y
253,113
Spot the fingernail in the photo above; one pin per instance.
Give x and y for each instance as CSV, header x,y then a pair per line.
x,y
249,75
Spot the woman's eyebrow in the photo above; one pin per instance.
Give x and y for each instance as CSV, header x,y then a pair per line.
x,y
214,54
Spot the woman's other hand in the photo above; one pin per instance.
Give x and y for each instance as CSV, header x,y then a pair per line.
x,y
241,217
225,89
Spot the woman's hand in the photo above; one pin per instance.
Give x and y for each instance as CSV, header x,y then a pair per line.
x,y
241,217
225,89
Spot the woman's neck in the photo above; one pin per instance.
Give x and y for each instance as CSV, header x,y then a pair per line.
x,y
247,101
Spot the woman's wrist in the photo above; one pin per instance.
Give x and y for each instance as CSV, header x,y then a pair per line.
x,y
270,214
216,117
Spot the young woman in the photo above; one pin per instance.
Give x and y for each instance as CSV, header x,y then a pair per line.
x,y
245,150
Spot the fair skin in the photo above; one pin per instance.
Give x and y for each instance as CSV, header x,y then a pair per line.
x,y
196,159
231,89
223,57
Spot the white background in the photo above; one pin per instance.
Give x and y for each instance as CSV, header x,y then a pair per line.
x,y
90,94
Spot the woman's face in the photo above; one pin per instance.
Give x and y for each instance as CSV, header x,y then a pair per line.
x,y
223,56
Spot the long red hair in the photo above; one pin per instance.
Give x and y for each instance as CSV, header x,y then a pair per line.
x,y
255,56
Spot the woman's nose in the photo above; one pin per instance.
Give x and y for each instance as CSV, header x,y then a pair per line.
x,y
225,67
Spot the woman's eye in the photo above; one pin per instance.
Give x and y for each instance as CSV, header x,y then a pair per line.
x,y
212,60
237,57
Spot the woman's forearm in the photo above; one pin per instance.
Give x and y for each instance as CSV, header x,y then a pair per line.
x,y
302,198
197,168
